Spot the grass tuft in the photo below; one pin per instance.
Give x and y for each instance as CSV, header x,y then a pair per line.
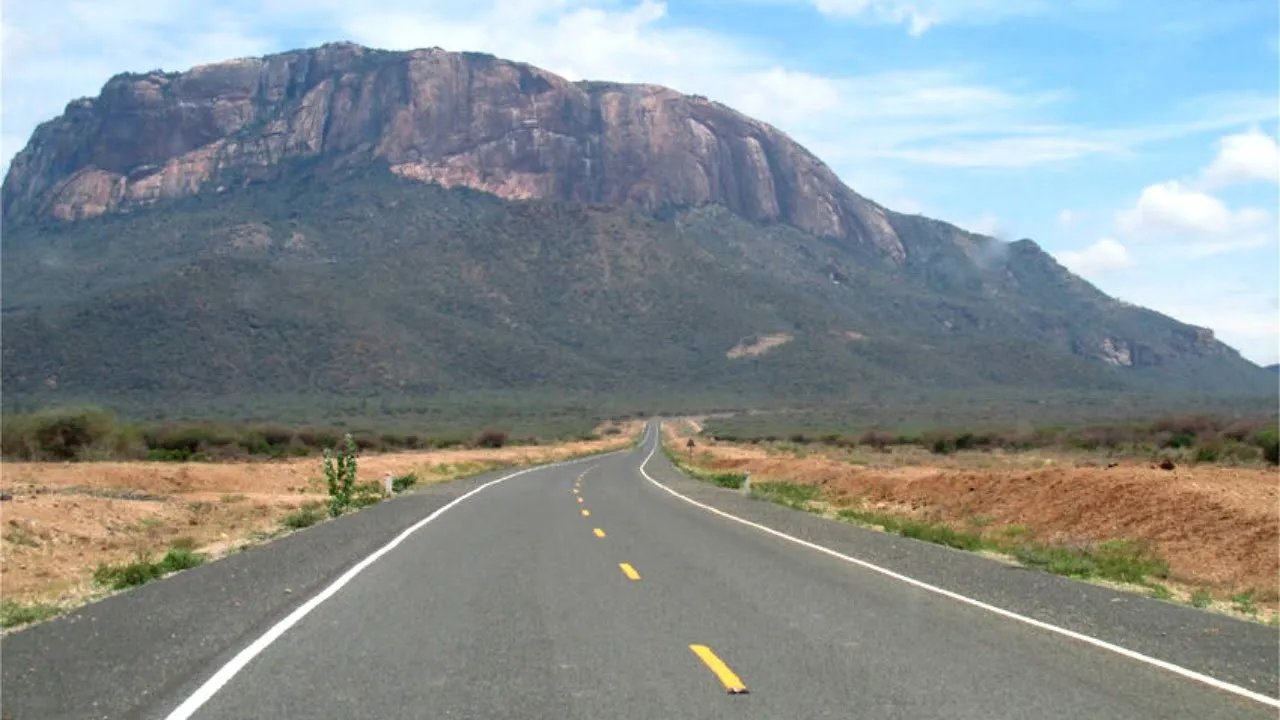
x,y
13,614
1201,599
1244,602
303,517
142,571
784,493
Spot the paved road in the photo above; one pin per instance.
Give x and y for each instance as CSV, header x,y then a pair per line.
x,y
587,591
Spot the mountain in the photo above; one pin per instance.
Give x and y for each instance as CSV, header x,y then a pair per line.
x,y
460,120
355,221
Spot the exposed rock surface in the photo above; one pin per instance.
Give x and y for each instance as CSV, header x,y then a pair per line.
x,y
457,119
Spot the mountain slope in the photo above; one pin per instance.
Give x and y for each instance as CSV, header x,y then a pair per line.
x,y
355,221
362,281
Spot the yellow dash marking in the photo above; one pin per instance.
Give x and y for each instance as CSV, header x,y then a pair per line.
x,y
580,499
575,491
599,533
629,571
586,512
731,682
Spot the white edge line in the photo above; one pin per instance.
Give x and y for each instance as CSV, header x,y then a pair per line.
x,y
1131,654
242,658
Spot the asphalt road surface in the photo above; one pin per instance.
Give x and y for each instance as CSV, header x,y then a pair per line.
x,y
586,590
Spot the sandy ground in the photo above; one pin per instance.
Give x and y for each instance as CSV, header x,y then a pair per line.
x,y
1217,526
64,519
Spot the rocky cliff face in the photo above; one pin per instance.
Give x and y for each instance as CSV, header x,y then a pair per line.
x,y
455,119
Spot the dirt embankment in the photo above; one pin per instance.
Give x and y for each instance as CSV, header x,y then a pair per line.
x,y
64,519
1217,526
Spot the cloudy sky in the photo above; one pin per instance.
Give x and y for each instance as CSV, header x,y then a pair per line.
x,y
1133,139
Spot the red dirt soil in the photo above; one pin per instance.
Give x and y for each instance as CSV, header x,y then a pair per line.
x,y
1218,527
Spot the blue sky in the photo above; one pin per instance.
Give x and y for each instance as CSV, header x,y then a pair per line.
x,y
1133,139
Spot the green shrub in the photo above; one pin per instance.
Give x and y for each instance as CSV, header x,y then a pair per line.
x,y
727,480
1244,602
1208,453
877,439
366,494
491,439
119,577
303,517
939,443
175,455
1236,451
180,558
142,571
73,433
340,474
1269,440
1201,599
403,482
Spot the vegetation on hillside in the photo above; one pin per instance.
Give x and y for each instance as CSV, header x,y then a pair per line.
x,y
361,288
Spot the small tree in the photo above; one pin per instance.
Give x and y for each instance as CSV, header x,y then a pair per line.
x,y
340,472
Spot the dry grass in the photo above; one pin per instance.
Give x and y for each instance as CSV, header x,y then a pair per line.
x,y
65,519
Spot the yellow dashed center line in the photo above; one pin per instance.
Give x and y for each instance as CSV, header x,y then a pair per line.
x,y
586,512
599,533
731,681
629,571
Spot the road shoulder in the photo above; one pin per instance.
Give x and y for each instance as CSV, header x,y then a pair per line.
x,y
1234,651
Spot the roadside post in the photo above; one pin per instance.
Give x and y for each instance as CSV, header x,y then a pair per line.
x,y
386,484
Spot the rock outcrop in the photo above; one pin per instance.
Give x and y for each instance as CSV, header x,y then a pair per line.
x,y
457,119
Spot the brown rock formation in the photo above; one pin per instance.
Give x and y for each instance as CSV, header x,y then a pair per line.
x,y
455,119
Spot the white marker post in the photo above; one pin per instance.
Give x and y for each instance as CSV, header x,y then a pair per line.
x,y
386,484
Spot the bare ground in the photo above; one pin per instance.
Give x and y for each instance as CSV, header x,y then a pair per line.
x,y
1217,526
65,519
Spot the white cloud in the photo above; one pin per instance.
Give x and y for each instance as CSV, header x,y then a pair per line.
x,y
1067,218
1006,152
989,224
54,52
921,15
1102,256
1172,213
1244,158
61,49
